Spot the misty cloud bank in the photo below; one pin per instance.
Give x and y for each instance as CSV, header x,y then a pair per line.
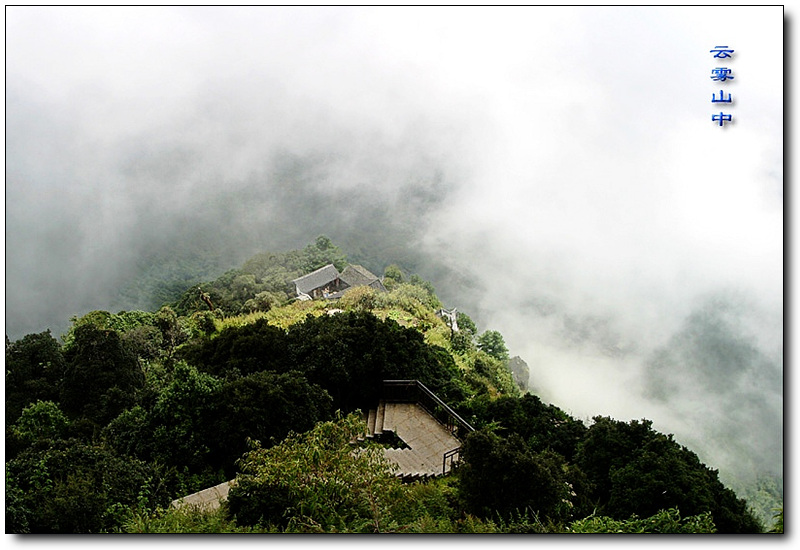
x,y
551,171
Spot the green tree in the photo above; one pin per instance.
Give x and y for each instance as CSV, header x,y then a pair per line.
x,y
501,476
131,434
608,445
414,299
492,343
495,372
542,426
392,276
350,354
41,421
360,298
99,318
322,253
144,342
172,334
204,322
275,271
317,481
466,324
636,470
72,487
264,406
657,477
244,287
35,366
17,512
265,300
463,341
182,421
128,320
240,351
102,377
431,300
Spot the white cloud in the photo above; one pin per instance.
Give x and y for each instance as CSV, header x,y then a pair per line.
x,y
587,177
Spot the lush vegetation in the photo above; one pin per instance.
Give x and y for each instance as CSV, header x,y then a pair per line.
x,y
235,380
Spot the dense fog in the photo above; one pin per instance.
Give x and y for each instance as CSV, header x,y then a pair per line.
x,y
554,172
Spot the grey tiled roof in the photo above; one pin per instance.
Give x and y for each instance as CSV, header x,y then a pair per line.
x,y
316,279
378,285
356,275
337,295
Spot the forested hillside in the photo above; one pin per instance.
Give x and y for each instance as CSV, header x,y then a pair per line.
x,y
238,379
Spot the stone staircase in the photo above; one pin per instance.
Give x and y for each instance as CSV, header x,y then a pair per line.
x,y
207,499
427,447
428,441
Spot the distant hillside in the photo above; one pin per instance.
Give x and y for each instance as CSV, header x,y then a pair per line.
x,y
136,408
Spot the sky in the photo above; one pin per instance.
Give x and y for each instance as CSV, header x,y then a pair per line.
x,y
554,171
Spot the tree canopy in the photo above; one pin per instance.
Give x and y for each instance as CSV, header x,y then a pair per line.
x,y
236,380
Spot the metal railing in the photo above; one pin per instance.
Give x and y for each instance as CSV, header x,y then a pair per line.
x,y
414,391
453,456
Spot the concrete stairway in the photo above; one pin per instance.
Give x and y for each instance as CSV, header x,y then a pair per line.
x,y
427,439
207,499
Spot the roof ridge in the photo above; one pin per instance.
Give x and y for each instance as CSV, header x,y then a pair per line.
x,y
324,267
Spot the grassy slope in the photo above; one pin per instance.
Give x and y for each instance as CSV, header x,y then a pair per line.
x,y
405,305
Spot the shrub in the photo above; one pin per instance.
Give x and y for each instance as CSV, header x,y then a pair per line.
x,y
665,521
316,481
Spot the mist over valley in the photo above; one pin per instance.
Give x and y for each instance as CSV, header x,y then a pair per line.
x,y
628,250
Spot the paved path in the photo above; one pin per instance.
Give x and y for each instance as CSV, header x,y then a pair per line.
x,y
427,439
207,499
